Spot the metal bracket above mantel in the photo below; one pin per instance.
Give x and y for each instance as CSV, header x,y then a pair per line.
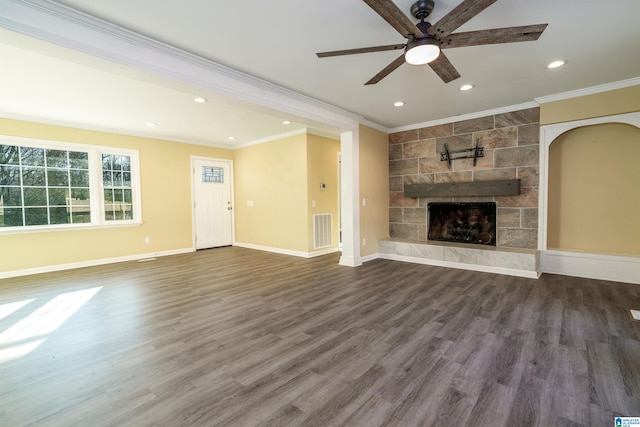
x,y
449,155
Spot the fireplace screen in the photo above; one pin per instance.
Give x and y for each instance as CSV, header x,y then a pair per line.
x,y
462,222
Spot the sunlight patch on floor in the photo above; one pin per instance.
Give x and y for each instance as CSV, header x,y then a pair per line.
x,y
7,309
28,333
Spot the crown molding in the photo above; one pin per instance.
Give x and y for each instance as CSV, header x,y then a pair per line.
x,y
67,27
376,126
316,132
271,138
538,101
104,129
589,91
476,115
323,134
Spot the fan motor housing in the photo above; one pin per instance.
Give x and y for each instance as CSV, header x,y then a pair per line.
x,y
422,9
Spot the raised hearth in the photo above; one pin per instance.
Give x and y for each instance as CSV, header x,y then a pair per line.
x,y
513,262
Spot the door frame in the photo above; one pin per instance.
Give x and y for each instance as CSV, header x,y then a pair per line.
x,y
193,197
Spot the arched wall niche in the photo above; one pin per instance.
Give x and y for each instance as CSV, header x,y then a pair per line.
x,y
594,178
590,141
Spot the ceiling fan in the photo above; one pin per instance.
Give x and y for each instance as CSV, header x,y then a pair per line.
x,y
425,41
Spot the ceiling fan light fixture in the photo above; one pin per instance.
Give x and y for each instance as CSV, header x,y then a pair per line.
x,y
422,51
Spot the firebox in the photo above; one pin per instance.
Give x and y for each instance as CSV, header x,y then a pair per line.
x,y
462,222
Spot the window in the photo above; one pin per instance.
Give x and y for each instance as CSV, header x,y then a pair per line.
x,y
116,181
45,185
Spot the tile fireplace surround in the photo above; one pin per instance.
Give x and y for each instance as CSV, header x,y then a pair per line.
x,y
511,151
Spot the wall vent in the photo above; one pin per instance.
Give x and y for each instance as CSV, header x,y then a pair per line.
x,y
322,235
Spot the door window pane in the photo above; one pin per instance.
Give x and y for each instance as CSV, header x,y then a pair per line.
x,y
212,174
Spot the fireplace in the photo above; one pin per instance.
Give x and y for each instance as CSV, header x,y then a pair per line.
x,y
473,223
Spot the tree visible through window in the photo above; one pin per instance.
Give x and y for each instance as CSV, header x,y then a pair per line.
x,y
51,186
116,181
43,187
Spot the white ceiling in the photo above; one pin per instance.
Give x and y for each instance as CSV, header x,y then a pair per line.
x,y
276,41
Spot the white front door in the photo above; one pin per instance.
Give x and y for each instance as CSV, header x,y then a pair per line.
x,y
213,210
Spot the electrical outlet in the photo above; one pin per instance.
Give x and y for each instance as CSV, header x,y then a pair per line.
x,y
364,242
364,202
147,240
313,203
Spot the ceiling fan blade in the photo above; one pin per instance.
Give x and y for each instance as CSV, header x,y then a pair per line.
x,y
360,50
394,16
386,71
458,16
494,36
444,68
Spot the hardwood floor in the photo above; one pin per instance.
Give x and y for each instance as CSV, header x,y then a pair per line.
x,y
236,337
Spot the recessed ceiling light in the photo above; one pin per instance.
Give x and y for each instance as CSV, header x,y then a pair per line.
x,y
151,124
286,122
200,99
398,103
556,64
466,87
231,138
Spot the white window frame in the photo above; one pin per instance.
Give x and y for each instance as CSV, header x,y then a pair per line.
x,y
96,187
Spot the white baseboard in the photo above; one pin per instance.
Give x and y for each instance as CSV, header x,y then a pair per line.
x,y
371,257
592,266
350,261
91,263
286,251
463,266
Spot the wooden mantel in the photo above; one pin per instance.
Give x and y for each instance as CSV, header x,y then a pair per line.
x,y
506,187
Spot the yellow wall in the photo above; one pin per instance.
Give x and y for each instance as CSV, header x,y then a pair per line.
x,y
610,103
282,178
594,190
374,188
322,161
165,180
274,176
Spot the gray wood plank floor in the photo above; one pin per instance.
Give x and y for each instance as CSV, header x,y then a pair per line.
x,y
237,337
